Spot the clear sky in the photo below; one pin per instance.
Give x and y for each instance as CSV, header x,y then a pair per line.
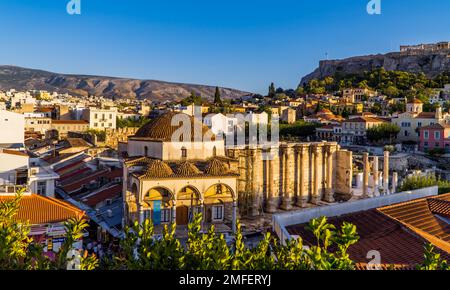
x,y
244,44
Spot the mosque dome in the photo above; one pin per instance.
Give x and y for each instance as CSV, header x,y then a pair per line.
x,y
161,128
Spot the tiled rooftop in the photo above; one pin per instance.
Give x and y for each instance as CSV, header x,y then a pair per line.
x,y
395,231
42,210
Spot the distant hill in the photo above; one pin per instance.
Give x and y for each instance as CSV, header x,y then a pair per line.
x,y
431,63
13,77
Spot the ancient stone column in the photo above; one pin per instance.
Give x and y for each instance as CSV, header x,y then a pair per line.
x,y
141,213
303,192
329,191
174,212
256,182
272,201
375,176
234,217
394,182
344,175
366,172
386,172
288,182
316,173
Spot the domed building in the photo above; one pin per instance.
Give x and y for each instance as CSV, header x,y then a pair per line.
x,y
174,168
175,136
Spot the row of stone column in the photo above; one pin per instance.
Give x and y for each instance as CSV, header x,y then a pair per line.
x,y
298,173
385,186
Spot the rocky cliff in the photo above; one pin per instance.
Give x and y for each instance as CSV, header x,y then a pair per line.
x,y
430,63
12,77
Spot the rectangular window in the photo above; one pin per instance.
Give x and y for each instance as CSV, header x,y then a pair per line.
x,y
437,135
426,135
147,214
41,188
165,215
217,213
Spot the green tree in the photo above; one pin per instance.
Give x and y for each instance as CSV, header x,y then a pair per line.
x,y
272,91
383,132
217,99
433,260
192,99
19,252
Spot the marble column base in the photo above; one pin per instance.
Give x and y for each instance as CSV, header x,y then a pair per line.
x,y
315,200
286,204
302,201
254,211
329,196
272,205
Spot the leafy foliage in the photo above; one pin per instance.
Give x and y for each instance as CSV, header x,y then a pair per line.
x,y
19,252
394,84
422,181
433,260
141,249
132,123
383,132
298,129
192,99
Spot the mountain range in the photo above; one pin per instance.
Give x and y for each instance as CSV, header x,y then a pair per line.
x,y
19,78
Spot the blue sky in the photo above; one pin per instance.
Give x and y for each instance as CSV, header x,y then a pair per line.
x,y
243,44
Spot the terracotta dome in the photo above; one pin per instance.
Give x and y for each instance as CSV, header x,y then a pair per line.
x,y
216,167
161,128
187,169
416,101
158,169
324,112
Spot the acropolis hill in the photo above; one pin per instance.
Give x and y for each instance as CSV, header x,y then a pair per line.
x,y
431,59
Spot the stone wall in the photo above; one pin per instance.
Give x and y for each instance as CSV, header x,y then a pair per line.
x,y
114,136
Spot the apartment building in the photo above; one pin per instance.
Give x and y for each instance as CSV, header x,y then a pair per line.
x,y
101,118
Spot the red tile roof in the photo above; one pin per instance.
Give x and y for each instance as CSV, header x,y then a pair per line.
x,y
88,177
37,209
80,172
426,115
365,119
417,216
108,193
14,152
70,122
439,206
396,244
